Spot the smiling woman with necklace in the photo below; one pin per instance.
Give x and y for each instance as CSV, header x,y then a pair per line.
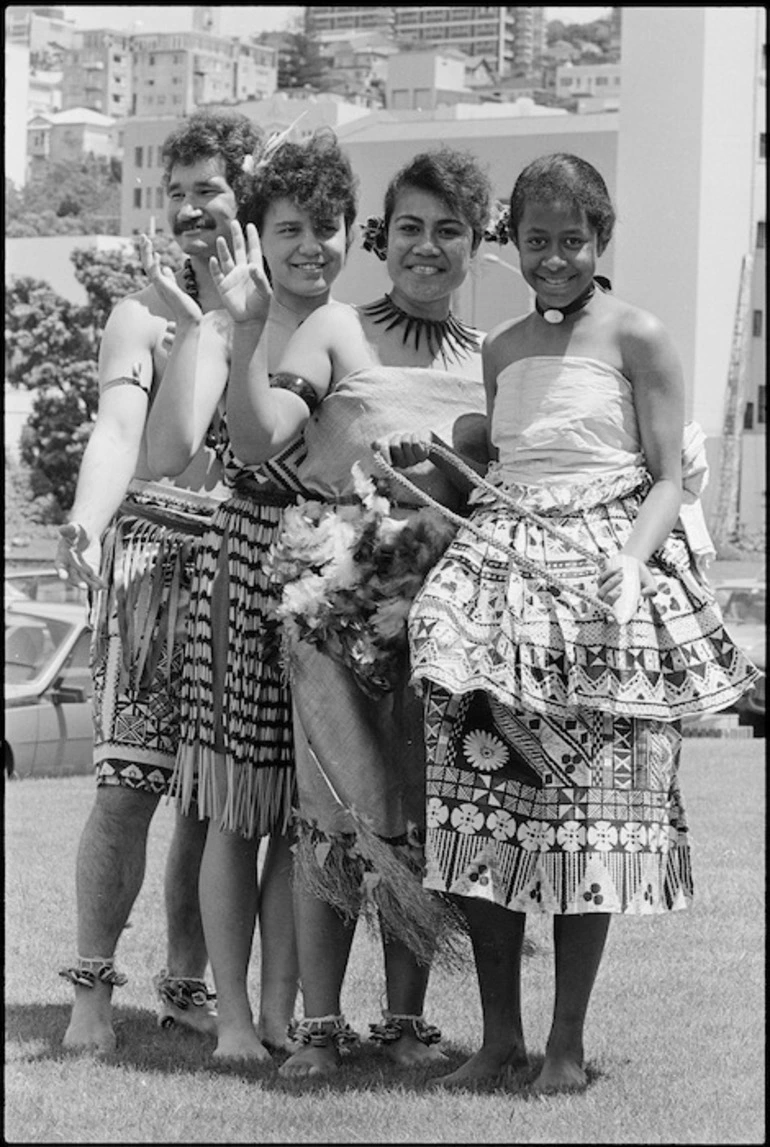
x,y
349,375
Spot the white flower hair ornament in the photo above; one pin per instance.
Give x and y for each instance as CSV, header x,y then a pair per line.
x,y
247,167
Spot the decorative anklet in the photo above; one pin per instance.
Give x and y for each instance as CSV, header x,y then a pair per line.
x,y
182,991
321,1031
89,969
395,1025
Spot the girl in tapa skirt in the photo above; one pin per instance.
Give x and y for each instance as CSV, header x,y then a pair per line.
x,y
565,632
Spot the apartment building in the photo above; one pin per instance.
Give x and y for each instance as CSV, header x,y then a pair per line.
x,y
512,37
96,72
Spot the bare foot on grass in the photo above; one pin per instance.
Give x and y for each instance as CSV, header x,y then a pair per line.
x,y
244,1045
408,1051
311,1062
560,1075
485,1066
90,1026
198,1019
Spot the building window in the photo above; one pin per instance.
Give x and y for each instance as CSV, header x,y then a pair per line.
x,y
137,197
756,326
149,157
762,145
138,156
158,196
748,416
761,405
761,233
148,197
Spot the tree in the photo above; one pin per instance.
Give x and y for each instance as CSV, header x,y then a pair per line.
x,y
64,198
300,63
52,349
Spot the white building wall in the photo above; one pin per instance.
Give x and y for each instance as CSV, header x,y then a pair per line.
x,y
684,184
15,126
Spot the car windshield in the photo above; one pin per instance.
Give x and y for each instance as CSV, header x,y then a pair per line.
x,y
30,644
742,604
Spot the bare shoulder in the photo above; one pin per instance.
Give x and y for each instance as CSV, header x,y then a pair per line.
x,y
644,342
506,342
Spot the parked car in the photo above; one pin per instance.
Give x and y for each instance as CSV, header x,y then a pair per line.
x,y
743,606
41,583
48,689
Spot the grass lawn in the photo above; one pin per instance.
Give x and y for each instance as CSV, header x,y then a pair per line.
x,y
675,1039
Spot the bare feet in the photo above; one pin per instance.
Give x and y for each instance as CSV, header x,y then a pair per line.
x,y
408,1051
560,1075
310,1062
199,1019
241,1043
487,1064
90,1026
276,1038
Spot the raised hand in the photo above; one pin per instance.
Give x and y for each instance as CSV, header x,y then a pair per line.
x,y
78,557
240,275
183,306
406,449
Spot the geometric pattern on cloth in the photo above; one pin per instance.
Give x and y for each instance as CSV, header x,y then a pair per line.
x,y
591,821
236,744
480,623
136,725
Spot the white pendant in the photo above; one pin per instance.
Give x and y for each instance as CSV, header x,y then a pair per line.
x,y
553,316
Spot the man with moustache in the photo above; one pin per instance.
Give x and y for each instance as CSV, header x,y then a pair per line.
x,y
131,541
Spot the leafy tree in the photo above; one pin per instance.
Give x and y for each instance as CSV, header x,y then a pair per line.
x,y
64,198
52,349
301,64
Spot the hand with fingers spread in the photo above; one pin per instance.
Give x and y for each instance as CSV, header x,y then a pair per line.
x,y
78,557
183,306
240,276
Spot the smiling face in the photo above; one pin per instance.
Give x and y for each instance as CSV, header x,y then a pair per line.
x,y
305,256
429,252
200,205
558,250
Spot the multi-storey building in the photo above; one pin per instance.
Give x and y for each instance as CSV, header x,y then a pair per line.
x,y
96,72
41,29
175,72
511,36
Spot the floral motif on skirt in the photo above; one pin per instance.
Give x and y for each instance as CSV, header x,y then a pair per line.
x,y
550,814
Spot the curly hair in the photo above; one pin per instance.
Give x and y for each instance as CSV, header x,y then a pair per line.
x,y
315,175
205,134
450,175
569,181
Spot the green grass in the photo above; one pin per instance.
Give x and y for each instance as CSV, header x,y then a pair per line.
x,y
675,1037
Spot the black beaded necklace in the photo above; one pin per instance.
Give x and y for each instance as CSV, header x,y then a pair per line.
x,y
191,281
442,335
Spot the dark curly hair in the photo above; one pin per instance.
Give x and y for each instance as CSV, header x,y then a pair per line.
x,y
315,175
455,177
205,134
569,181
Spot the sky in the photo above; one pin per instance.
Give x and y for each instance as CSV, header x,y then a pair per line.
x,y
236,19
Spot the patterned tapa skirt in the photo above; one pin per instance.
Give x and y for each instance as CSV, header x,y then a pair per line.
x,y
552,733
236,749
138,633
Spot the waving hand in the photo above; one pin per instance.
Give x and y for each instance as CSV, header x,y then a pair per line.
x,y
240,277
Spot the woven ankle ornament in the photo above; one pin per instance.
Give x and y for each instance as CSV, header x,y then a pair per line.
x,y
324,1030
90,970
182,992
395,1025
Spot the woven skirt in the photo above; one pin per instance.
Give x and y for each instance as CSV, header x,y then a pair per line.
x,y
236,747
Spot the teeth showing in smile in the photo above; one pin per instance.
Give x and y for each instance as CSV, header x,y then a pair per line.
x,y
421,270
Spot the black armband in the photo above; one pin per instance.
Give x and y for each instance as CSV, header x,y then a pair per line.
x,y
133,379
299,386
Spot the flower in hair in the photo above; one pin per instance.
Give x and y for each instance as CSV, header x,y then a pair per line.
x,y
247,167
496,230
375,236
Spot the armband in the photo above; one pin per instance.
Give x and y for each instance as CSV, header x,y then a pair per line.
x,y
299,386
133,379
